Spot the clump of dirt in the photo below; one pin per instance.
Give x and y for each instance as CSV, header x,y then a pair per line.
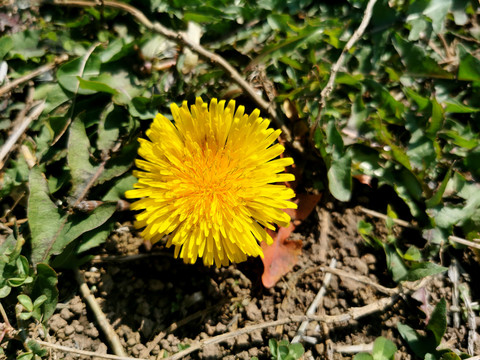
x,y
158,305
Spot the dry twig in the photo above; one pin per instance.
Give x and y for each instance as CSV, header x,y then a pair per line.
x,y
362,279
109,332
18,131
42,69
314,305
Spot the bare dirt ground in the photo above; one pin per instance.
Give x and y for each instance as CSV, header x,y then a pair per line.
x,y
158,306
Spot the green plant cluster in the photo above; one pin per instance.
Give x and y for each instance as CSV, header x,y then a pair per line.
x,y
404,113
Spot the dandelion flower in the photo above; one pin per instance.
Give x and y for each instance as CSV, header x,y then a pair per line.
x,y
209,180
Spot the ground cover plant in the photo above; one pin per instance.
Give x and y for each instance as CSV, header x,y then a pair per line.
x,y
378,106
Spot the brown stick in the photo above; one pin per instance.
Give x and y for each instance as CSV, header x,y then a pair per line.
x,y
44,68
109,332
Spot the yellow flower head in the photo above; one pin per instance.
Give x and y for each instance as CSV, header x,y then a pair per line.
x,y
208,181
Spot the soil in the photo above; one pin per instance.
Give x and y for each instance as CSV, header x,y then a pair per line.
x,y
153,300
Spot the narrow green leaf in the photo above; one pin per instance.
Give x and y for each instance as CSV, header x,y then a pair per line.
x,y
436,199
44,219
438,321
95,86
419,271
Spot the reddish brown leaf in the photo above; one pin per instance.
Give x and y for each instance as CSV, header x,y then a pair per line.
x,y
280,257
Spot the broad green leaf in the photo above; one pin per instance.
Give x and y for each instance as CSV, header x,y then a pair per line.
x,y
78,157
25,301
26,45
85,67
6,44
395,264
469,67
421,270
412,254
95,237
45,284
118,164
417,61
54,95
95,86
437,11
438,321
340,178
44,219
81,223
383,349
419,344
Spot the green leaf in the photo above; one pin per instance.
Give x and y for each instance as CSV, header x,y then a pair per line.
x,y
421,270
436,199
85,67
54,95
25,301
437,10
6,44
340,178
410,55
121,185
438,321
79,224
95,237
109,127
26,45
95,86
383,349
36,348
395,264
469,67
412,254
363,356
78,157
44,219
45,285
419,344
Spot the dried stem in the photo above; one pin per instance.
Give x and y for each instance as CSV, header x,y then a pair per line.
x,y
315,303
18,131
83,352
42,69
109,332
